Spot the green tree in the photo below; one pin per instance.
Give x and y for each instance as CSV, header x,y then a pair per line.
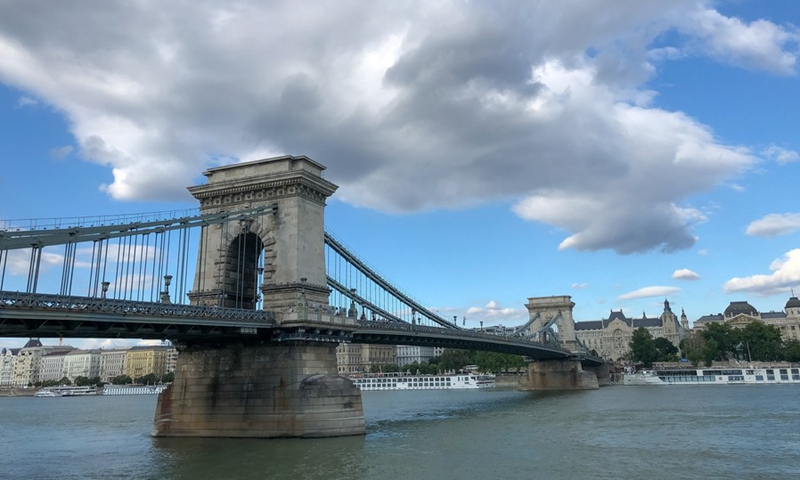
x,y
791,350
149,379
693,348
725,337
453,360
170,377
82,381
710,352
643,347
122,380
667,352
763,341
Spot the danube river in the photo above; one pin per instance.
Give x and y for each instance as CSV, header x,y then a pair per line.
x,y
671,432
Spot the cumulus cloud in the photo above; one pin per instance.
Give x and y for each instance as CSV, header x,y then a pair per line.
x,y
646,292
774,224
412,105
685,274
494,311
781,155
760,44
785,275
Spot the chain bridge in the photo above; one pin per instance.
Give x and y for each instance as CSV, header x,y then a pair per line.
x,y
256,295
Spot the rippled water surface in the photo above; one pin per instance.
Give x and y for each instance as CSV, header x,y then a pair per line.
x,y
672,432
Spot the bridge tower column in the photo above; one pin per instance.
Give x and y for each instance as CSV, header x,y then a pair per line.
x,y
288,235
543,310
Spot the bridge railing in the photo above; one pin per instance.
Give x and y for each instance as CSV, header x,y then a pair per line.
x,y
406,327
39,301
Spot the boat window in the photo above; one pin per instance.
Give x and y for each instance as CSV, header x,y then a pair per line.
x,y
759,378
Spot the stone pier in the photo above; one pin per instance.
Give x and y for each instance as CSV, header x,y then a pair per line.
x,y
558,375
259,391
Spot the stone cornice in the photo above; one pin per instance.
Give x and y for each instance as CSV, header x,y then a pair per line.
x,y
249,191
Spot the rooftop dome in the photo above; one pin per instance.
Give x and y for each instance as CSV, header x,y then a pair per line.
x,y
738,308
793,302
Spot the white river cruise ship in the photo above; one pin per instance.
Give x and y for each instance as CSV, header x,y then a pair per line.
x,y
404,381
715,376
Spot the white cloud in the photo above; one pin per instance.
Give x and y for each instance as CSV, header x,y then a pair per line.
x,y
26,101
467,102
774,224
785,275
646,292
760,44
781,155
685,274
580,285
493,311
61,153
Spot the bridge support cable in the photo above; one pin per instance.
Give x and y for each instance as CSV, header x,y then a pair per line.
x,y
385,315
393,299
130,261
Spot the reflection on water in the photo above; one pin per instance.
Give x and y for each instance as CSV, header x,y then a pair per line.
x,y
616,432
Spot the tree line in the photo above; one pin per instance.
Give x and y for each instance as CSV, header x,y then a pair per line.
x,y
149,379
756,342
455,360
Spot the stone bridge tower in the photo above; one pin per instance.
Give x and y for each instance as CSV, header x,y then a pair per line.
x,y
277,253
558,308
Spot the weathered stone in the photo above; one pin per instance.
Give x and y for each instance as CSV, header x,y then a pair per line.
x,y
239,397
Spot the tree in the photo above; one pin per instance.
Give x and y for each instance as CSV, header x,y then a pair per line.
x,y
122,380
82,381
149,379
693,348
791,350
667,352
725,337
170,377
643,347
762,341
453,359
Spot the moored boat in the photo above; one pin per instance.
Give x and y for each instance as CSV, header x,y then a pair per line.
x,y
405,381
714,376
46,393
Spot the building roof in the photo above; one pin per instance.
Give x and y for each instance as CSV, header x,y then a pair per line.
x,y
739,308
32,343
793,302
631,322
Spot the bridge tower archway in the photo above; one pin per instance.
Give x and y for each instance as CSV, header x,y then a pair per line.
x,y
272,246
557,311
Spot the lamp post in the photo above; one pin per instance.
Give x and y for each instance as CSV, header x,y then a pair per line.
x,y
165,293
104,288
481,325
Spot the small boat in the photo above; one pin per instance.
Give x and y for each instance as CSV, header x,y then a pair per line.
x,y
714,376
46,393
405,381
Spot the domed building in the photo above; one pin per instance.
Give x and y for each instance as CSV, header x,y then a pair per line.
x,y
739,314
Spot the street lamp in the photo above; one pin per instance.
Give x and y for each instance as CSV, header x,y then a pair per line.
x,y
104,288
481,325
165,293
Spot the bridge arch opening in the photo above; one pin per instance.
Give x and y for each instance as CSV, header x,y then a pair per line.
x,y
243,272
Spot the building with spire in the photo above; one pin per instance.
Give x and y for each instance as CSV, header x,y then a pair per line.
x,y
611,337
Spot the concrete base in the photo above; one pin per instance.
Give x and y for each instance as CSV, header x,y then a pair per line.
x,y
558,375
603,374
261,391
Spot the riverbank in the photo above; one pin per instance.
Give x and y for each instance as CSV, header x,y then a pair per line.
x,y
17,392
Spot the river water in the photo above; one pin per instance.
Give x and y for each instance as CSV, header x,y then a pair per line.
x,y
671,432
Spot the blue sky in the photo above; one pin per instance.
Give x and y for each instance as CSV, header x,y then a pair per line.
x,y
486,152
